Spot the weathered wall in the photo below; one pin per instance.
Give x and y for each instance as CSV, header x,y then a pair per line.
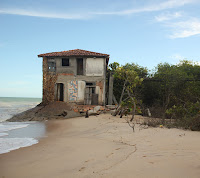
x,y
71,69
67,76
66,79
81,91
95,67
100,91
49,80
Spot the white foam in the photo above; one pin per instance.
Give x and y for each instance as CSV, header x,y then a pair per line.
x,y
9,144
3,134
7,127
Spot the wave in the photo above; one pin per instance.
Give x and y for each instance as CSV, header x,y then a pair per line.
x,y
4,127
9,144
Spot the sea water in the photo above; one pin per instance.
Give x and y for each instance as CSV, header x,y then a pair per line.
x,y
14,135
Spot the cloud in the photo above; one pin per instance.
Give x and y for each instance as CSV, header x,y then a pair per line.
x,y
89,14
35,13
185,29
156,7
168,16
177,57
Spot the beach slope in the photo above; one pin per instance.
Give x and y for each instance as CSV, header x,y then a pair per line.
x,y
105,146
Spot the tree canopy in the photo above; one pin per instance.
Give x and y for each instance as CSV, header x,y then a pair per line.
x,y
172,91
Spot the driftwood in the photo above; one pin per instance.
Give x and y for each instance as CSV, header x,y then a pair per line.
x,y
124,111
86,115
64,113
117,111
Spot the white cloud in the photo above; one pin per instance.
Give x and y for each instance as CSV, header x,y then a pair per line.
x,y
185,29
155,7
177,57
88,14
168,16
35,13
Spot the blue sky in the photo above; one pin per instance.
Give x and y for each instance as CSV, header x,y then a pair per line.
x,y
145,32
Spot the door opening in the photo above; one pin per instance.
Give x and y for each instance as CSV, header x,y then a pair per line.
x,y
91,98
60,92
79,66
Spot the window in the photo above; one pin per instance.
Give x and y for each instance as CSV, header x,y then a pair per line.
x,y
79,66
91,85
65,61
52,66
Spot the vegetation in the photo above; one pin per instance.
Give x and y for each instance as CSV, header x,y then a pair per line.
x,y
126,80
171,92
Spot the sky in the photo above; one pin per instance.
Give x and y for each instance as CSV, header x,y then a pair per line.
x,y
145,32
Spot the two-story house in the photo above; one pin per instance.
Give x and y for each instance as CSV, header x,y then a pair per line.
x,y
74,76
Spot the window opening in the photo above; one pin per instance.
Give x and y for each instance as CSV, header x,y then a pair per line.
x,y
79,66
65,61
52,66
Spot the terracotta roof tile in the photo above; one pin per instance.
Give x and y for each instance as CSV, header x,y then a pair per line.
x,y
75,52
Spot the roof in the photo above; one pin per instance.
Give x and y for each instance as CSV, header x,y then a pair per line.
x,y
75,52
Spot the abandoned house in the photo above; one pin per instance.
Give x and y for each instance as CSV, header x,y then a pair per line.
x,y
74,76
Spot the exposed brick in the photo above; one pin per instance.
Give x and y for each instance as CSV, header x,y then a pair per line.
x,y
65,74
49,80
100,84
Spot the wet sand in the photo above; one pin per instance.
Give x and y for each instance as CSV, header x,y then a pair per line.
x,y
105,146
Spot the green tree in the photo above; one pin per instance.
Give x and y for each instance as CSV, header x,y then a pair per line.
x,y
175,88
127,77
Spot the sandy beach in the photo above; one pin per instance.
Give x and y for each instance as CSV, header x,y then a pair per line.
x,y
105,146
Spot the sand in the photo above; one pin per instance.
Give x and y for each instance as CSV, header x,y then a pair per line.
x,y
105,146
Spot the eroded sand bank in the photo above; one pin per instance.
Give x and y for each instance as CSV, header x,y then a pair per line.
x,y
105,146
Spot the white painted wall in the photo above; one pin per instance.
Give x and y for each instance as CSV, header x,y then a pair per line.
x,y
95,66
81,91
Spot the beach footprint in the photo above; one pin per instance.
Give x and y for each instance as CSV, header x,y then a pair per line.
x,y
82,169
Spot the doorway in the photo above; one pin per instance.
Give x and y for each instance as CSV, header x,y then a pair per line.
x,y
91,98
60,92
79,66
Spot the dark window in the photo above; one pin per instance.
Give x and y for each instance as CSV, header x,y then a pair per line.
x,y
65,61
52,66
79,66
91,85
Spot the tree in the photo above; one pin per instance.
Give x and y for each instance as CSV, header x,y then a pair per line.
x,y
127,77
175,89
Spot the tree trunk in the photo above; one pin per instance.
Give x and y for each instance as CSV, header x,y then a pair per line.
x,y
165,108
134,106
121,97
117,111
122,94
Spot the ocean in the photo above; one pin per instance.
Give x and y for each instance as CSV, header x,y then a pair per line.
x,y
14,135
